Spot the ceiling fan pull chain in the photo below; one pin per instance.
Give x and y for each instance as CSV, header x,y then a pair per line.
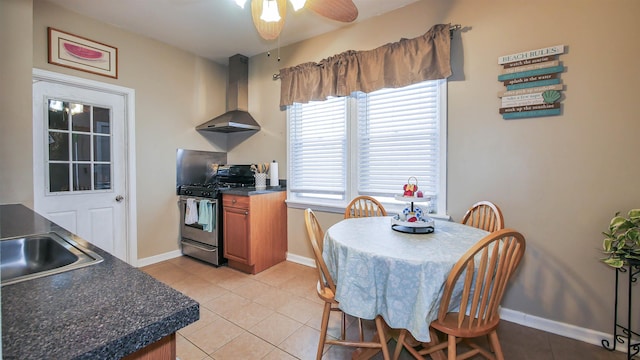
x,y
269,52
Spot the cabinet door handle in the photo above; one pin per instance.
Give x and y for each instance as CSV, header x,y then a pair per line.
x,y
246,213
233,201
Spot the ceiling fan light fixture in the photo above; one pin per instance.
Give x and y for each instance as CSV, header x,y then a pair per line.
x,y
268,15
297,4
241,3
270,11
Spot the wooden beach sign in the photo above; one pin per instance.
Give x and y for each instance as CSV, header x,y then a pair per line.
x,y
533,83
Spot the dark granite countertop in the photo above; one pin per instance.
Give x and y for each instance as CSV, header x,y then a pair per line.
x,y
249,191
103,311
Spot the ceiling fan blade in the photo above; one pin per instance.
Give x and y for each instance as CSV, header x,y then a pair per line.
x,y
339,10
268,30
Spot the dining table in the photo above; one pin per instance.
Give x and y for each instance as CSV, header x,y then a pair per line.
x,y
399,276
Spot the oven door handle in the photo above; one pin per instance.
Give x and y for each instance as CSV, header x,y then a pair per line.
x,y
191,243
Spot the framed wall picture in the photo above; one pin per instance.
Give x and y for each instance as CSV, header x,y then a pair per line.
x,y
77,52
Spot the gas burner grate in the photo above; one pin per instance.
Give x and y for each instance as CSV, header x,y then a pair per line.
x,y
197,190
227,177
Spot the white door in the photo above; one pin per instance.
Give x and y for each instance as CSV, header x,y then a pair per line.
x,y
79,162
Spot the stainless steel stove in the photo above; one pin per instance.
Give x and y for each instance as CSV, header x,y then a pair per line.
x,y
201,228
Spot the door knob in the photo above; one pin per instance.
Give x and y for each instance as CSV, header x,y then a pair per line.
x,y
119,198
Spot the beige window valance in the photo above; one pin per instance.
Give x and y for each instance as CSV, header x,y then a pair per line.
x,y
393,65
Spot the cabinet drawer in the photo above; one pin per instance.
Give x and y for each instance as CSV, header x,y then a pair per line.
x,y
235,201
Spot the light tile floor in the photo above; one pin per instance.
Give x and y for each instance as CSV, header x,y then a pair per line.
x,y
275,315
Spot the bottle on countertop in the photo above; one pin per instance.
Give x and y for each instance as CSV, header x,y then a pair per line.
x,y
273,174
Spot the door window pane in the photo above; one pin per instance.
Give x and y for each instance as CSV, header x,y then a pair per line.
x,y
58,177
81,147
102,147
58,146
81,117
81,177
58,117
101,120
102,177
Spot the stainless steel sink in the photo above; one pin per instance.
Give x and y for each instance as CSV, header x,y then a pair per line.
x,y
33,256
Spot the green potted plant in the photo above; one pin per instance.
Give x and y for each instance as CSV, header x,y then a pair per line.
x,y
622,242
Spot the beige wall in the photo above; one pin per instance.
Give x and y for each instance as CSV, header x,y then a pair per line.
x,y
174,92
16,171
558,179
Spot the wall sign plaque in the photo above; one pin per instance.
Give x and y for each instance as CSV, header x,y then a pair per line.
x,y
533,84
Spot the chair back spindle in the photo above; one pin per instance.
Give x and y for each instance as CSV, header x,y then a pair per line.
x,y
364,206
484,215
484,272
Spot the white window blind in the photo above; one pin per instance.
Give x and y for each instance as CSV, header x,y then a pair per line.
x,y
369,144
398,137
317,148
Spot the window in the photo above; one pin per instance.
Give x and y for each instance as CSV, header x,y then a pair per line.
x,y
369,144
79,156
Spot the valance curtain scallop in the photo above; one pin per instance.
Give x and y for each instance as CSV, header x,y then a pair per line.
x,y
393,65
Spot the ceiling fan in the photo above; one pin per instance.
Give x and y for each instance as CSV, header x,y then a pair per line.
x,y
269,15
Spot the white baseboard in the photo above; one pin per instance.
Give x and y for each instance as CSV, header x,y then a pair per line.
x,y
174,254
301,260
158,258
535,322
559,328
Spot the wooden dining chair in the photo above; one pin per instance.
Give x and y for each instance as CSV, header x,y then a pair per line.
x,y
364,206
326,291
484,215
481,275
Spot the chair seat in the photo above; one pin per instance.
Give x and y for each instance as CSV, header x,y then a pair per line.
x,y
326,294
449,325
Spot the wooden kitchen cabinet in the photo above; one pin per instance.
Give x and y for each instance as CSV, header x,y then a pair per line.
x,y
254,230
164,348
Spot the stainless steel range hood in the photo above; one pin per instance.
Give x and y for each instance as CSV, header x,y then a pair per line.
x,y
237,118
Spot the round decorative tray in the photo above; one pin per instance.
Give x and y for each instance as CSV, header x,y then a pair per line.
x,y
424,225
412,198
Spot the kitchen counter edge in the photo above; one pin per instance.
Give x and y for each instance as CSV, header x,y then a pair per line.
x,y
249,191
106,310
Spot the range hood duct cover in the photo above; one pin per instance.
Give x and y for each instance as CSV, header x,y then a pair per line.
x,y
237,118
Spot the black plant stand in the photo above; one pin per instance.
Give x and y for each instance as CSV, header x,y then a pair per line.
x,y
622,333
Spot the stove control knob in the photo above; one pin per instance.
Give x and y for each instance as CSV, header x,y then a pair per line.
x,y
187,192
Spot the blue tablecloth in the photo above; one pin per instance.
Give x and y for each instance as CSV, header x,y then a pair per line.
x,y
399,276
